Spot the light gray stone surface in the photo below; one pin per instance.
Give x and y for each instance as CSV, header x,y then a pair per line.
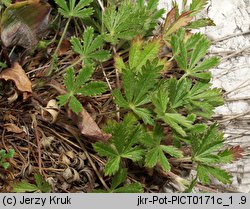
x,y
231,41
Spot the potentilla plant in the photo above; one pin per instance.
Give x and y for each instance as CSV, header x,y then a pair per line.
x,y
149,102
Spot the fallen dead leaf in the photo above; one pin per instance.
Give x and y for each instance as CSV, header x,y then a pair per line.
x,y
18,76
10,127
88,126
9,117
64,48
51,111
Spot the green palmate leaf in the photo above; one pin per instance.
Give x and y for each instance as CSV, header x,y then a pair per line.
x,y
220,174
203,174
178,91
142,70
148,78
135,96
203,100
176,121
122,145
160,99
130,19
204,22
134,153
196,46
89,47
211,142
121,23
139,54
198,128
77,85
24,23
71,9
225,156
182,59
119,99
190,43
207,64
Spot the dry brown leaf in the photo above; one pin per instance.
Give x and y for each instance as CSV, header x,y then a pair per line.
x,y
10,127
50,113
9,117
64,48
18,76
170,18
88,126
183,20
237,152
